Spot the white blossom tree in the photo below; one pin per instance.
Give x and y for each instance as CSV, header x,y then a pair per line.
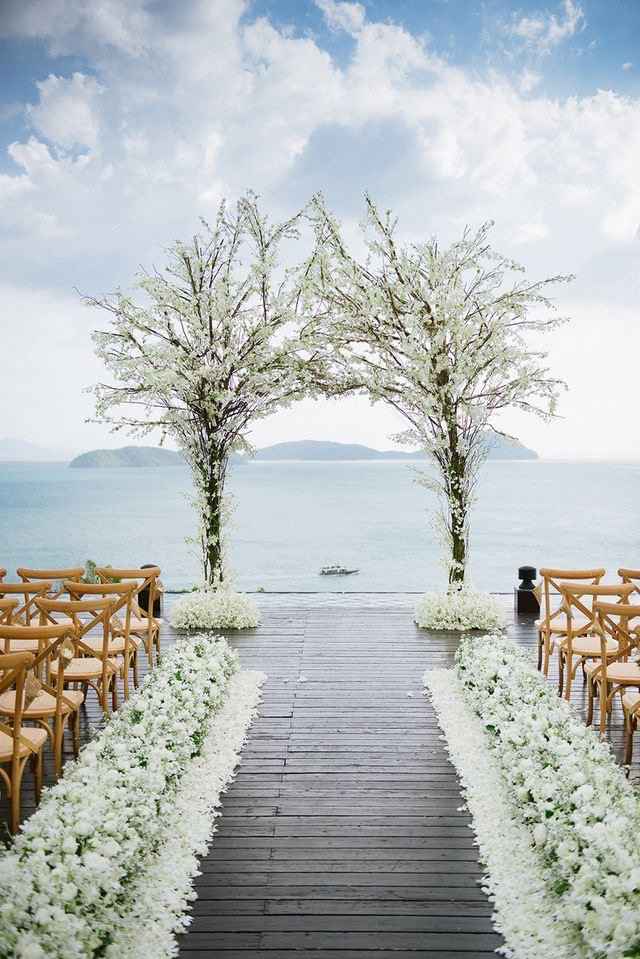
x,y
213,346
444,337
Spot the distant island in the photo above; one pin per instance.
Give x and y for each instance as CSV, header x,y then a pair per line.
x,y
309,450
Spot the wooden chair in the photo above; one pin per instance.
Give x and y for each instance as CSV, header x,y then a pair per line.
x,y
608,674
581,642
7,608
631,576
3,573
55,576
121,641
27,614
91,666
553,621
631,709
52,707
143,624
18,744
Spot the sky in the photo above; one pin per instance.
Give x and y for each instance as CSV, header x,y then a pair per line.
x,y
124,121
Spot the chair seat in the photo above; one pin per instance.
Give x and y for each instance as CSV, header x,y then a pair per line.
x,y
116,644
85,669
142,625
42,706
590,646
631,700
558,623
618,672
37,737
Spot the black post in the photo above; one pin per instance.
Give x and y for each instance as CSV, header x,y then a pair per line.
x,y
143,596
526,599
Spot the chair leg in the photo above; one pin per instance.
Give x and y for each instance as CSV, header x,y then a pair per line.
x,y
604,708
539,650
560,672
590,694
136,678
114,691
125,678
628,739
37,773
569,682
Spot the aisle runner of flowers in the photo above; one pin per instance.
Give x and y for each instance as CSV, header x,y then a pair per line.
x,y
105,866
557,822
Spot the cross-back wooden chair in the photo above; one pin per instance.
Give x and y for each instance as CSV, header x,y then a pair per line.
x,y
618,623
581,641
143,623
7,609
91,667
18,743
3,573
631,576
27,613
52,707
121,641
553,621
56,577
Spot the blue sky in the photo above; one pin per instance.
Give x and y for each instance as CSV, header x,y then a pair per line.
x,y
123,121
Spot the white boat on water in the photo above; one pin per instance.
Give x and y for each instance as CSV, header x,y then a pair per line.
x,y
336,569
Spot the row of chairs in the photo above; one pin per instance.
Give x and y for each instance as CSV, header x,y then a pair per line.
x,y
61,638
595,627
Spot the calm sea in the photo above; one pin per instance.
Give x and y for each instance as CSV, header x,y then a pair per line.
x,y
291,518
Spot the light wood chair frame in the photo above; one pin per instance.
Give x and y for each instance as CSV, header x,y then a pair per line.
x,y
581,599
30,592
99,612
13,672
599,680
50,639
551,620
121,595
55,576
143,578
7,609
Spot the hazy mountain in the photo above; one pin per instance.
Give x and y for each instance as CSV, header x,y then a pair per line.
x,y
128,456
16,450
499,448
309,450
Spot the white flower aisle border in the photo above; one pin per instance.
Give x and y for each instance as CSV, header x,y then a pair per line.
x,y
529,764
214,609
105,866
461,610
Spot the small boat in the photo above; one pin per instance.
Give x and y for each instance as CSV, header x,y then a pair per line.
x,y
337,570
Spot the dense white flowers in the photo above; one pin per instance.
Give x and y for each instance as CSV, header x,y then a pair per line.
x,y
96,857
214,609
515,877
564,785
461,610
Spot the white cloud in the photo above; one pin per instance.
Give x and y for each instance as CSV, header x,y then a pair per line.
x,y
67,111
216,102
627,66
544,31
341,15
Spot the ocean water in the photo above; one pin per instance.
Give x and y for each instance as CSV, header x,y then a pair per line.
x,y
291,518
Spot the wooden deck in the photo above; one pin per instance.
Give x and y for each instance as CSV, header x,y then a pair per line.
x,y
342,834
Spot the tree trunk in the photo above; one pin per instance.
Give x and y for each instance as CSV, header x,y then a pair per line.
x,y
211,504
458,530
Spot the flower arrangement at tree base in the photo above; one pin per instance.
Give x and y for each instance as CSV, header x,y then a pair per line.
x,y
532,770
460,610
104,867
206,609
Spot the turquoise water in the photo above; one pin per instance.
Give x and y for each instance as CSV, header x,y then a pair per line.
x,y
292,518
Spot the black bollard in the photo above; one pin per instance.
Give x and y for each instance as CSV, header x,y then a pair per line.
x,y
526,599
143,596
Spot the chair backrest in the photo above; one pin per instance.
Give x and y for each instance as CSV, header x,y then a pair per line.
x,y
7,607
56,576
146,578
580,600
552,579
30,593
98,612
13,673
120,594
630,576
614,620
51,643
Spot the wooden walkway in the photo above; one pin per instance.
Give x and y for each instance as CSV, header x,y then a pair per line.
x,y
342,836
